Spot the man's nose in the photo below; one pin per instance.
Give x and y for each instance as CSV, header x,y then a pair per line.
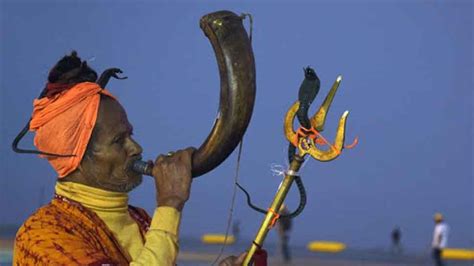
x,y
134,148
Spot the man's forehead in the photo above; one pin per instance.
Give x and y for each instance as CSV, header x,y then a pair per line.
x,y
112,116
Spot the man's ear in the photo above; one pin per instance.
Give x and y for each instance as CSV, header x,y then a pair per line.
x,y
87,159
76,176
85,169
81,168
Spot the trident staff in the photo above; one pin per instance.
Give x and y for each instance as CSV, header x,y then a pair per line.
x,y
303,141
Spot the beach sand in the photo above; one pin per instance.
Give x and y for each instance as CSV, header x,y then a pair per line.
x,y
195,254
198,259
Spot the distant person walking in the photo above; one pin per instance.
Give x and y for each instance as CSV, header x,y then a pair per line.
x,y
396,236
236,229
440,238
284,227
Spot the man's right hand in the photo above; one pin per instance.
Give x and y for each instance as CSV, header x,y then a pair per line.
x,y
173,178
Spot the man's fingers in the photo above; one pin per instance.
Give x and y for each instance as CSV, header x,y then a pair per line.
x,y
190,149
233,260
241,258
160,159
184,156
189,152
229,261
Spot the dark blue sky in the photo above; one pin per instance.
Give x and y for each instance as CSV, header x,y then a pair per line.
x,y
408,79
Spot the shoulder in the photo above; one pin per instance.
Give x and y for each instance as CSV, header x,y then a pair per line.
x,y
53,218
37,236
43,219
53,234
48,225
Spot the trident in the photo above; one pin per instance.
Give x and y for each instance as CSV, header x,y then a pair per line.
x,y
305,140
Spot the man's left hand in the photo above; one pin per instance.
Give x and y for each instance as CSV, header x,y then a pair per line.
x,y
233,260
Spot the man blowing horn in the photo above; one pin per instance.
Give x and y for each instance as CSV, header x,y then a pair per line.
x,y
89,221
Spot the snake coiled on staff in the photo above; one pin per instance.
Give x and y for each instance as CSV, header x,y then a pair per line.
x,y
233,51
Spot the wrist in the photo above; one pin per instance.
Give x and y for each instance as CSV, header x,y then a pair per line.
x,y
173,202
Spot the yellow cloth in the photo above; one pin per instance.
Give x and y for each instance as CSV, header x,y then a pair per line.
x,y
161,241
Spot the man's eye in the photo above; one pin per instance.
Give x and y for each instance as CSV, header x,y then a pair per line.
x,y
119,140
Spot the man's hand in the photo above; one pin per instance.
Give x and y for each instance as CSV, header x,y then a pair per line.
x,y
233,260
173,178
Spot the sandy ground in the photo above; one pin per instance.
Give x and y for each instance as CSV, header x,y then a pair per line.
x,y
197,259
201,258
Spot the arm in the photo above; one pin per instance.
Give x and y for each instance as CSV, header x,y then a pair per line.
x,y
173,181
161,241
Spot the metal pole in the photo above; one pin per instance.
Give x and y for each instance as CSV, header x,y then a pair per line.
x,y
274,207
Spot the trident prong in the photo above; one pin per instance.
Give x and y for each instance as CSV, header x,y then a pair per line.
x,y
334,150
288,125
306,139
319,119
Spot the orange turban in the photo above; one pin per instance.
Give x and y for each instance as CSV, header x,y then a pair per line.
x,y
64,124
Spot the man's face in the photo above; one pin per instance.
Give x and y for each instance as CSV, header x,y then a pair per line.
x,y
111,150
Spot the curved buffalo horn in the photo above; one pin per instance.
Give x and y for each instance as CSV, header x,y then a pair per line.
x,y
236,63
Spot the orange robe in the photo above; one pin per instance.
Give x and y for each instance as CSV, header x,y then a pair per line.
x,y
66,233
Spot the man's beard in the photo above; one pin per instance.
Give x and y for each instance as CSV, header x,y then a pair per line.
x,y
129,186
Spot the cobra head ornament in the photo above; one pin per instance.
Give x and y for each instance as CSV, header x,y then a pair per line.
x,y
308,140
